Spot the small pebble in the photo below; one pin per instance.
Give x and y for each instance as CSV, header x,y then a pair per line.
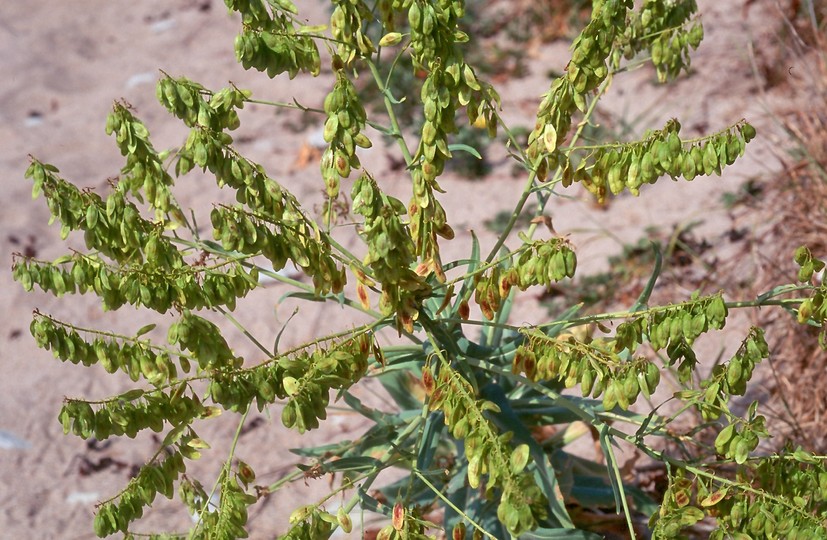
x,y
10,441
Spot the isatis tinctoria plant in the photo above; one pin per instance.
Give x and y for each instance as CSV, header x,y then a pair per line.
x,y
478,463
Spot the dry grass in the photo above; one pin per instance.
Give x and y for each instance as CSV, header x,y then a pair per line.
x,y
794,209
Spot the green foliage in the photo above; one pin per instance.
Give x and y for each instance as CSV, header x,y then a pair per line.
x,y
468,415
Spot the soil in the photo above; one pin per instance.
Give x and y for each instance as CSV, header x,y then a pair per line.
x,y
64,65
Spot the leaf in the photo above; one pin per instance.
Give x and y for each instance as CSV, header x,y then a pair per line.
x,y
643,299
355,463
560,534
431,434
464,148
283,328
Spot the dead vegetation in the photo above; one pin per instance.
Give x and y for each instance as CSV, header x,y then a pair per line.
x,y
776,214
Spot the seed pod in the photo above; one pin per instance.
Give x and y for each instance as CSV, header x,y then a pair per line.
x,y
428,20
587,381
342,164
616,184
748,132
734,372
647,167
710,159
657,52
429,133
415,16
556,269
331,128
362,141
458,532
688,167
674,143
550,138
390,39
570,262
344,520
652,376
643,384
610,396
729,150
348,144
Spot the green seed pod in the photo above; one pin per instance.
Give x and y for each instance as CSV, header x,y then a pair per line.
x,y
342,164
610,397
630,391
390,39
710,159
415,16
647,167
361,140
519,458
348,144
674,143
599,384
748,132
331,128
696,35
664,154
429,20
344,520
429,133
733,149
688,169
633,179
570,262
734,372
657,52
549,138
587,381
615,181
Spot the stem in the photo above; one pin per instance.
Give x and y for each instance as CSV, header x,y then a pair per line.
x,y
396,132
224,477
532,175
454,507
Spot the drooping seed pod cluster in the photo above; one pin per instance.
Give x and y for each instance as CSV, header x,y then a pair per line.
x,y
586,70
629,166
540,263
144,174
347,26
593,365
493,463
343,132
663,29
390,253
157,477
114,227
270,41
813,308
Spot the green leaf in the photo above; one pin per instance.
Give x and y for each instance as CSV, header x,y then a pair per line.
x,y
643,299
560,534
464,148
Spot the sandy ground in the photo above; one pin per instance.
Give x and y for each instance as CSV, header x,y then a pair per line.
x,y
65,63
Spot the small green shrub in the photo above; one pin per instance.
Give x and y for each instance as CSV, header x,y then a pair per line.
x,y
470,446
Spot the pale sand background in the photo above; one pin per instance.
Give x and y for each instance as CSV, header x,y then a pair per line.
x,y
64,64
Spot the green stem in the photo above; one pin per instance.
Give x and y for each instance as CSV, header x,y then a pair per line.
x,y
454,507
224,477
396,131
